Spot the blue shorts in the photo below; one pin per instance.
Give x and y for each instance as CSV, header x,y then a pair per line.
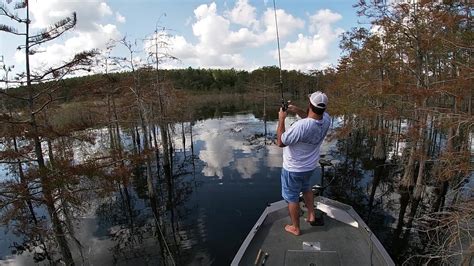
x,y
292,183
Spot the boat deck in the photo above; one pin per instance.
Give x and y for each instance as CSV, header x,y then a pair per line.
x,y
340,243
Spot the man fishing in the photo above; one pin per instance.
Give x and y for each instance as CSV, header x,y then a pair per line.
x,y
301,147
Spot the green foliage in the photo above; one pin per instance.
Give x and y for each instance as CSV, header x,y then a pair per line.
x,y
296,83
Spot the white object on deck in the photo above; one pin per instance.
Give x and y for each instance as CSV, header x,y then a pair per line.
x,y
337,214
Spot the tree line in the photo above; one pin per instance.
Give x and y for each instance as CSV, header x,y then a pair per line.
x,y
195,80
406,84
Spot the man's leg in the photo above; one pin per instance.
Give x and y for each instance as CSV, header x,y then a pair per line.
x,y
309,202
290,192
294,210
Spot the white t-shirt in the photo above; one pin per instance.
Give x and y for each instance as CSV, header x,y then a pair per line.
x,y
303,141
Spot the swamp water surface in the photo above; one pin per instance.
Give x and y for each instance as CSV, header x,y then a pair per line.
x,y
225,171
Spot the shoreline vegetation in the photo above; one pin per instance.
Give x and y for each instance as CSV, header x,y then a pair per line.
x,y
404,90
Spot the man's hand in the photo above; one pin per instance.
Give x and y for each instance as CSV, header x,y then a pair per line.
x,y
296,110
282,114
292,108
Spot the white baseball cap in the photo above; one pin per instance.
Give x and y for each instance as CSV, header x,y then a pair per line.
x,y
318,99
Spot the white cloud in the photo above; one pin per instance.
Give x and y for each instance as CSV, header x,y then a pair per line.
x,y
119,18
46,13
243,14
182,49
210,28
286,24
104,9
307,52
323,18
217,45
237,40
19,56
81,41
222,40
220,46
217,60
89,33
176,46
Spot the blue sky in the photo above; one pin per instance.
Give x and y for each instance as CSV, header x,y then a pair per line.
x,y
209,34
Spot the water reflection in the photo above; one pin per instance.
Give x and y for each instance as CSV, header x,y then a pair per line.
x,y
204,200
207,189
246,167
225,139
217,154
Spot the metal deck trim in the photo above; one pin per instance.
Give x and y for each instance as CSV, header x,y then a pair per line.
x,y
388,260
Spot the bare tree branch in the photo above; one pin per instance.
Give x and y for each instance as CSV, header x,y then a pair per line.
x,y
10,29
5,12
54,31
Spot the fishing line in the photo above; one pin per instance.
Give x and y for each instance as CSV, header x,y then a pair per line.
x,y
284,104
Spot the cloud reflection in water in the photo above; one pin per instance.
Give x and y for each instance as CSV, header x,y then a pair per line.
x,y
246,167
217,154
225,142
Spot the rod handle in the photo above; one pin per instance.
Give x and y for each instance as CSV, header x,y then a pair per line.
x,y
259,255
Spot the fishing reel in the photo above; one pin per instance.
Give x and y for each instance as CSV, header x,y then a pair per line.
x,y
284,105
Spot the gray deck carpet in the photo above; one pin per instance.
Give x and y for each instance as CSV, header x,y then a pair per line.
x,y
341,244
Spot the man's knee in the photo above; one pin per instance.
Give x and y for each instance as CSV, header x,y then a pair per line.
x,y
290,196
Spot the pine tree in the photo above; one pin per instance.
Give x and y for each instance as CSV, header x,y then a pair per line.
x,y
38,98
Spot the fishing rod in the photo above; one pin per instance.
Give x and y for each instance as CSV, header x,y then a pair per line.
x,y
284,104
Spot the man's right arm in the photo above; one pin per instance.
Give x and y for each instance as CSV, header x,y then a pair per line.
x,y
296,110
281,127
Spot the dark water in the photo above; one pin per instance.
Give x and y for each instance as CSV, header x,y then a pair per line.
x,y
224,172
218,194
